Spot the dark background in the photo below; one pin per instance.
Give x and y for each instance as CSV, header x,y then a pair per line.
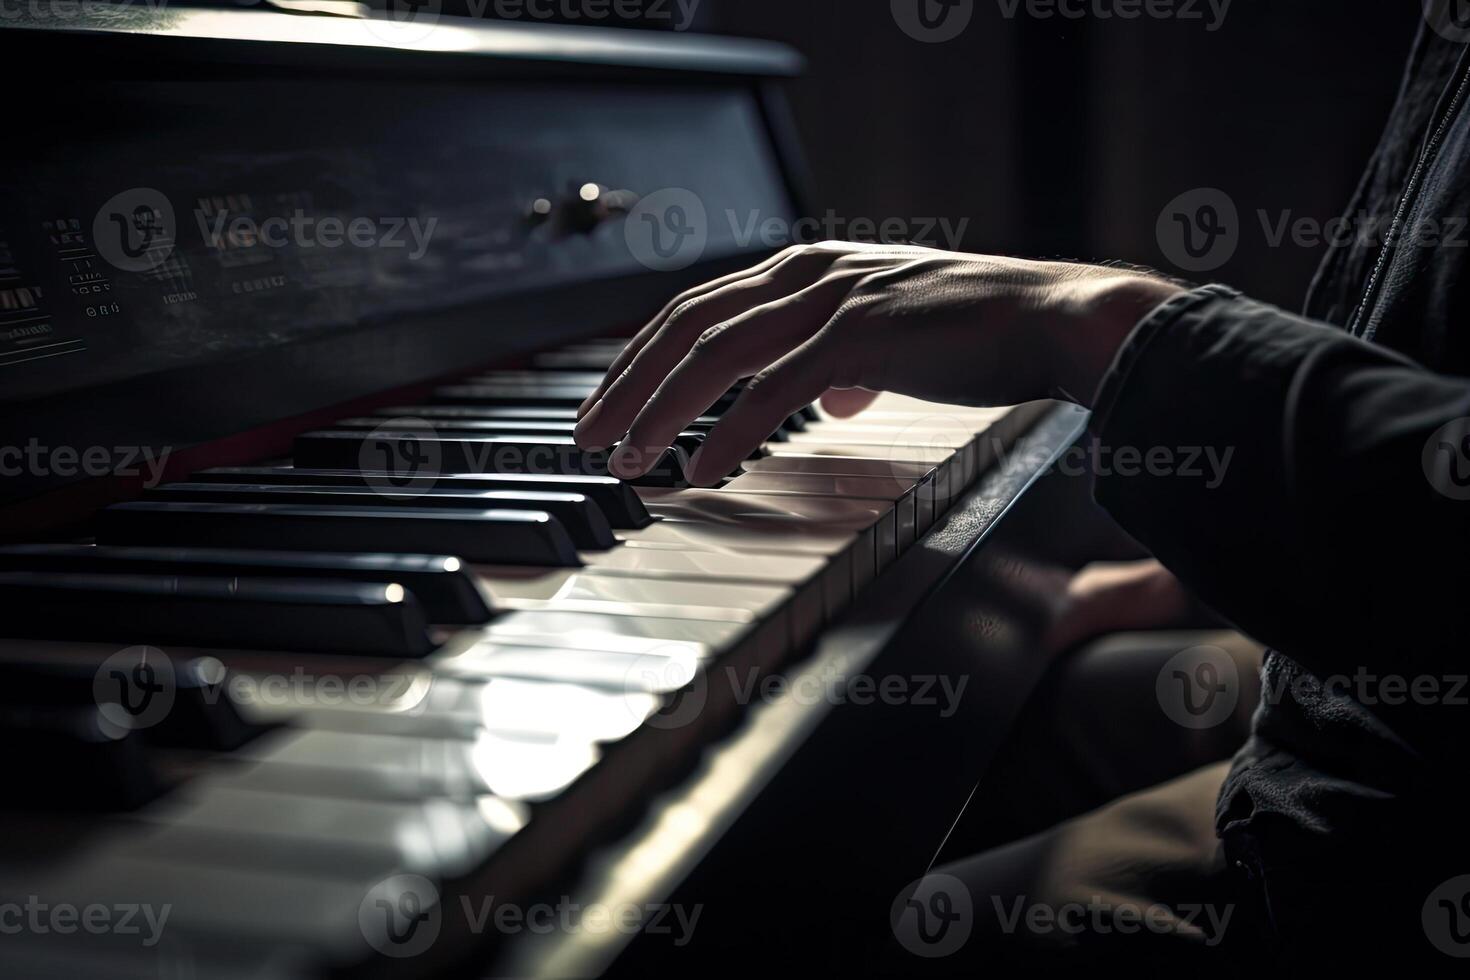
x,y
1068,137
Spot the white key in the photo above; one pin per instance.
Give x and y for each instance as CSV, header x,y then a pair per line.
x,y
615,634
902,493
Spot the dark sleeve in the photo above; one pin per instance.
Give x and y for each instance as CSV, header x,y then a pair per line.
x,y
1333,524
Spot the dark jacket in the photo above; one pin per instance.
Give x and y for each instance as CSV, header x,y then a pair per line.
x,y
1338,533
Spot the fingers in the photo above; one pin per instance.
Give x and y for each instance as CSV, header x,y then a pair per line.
x,y
632,385
844,403
641,339
721,356
795,380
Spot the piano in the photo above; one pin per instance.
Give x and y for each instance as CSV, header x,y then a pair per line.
x,y
325,652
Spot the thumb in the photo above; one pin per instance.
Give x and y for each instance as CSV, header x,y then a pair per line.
x,y
846,402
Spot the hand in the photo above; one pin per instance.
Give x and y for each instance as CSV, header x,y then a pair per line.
x,y
851,320
1108,597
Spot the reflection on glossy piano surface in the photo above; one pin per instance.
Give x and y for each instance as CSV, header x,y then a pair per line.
x,y
324,648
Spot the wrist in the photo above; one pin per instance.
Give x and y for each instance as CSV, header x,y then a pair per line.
x,y
1100,313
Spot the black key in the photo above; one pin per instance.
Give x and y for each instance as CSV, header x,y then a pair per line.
x,y
416,455
491,413
515,394
199,714
461,425
530,395
445,426
554,378
501,537
575,359
441,583
583,521
73,757
618,501
266,614
495,428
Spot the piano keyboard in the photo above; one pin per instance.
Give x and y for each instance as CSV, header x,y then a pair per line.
x,y
518,627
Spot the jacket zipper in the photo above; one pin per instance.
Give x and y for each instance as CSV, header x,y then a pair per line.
x,y
1409,200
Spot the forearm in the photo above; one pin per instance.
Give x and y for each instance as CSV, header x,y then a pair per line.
x,y
1310,537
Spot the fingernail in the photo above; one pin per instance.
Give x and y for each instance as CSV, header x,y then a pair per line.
x,y
589,403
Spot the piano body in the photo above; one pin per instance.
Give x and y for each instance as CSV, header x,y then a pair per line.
x,y
325,652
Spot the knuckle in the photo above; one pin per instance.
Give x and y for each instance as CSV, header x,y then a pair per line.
x,y
710,338
682,311
760,389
